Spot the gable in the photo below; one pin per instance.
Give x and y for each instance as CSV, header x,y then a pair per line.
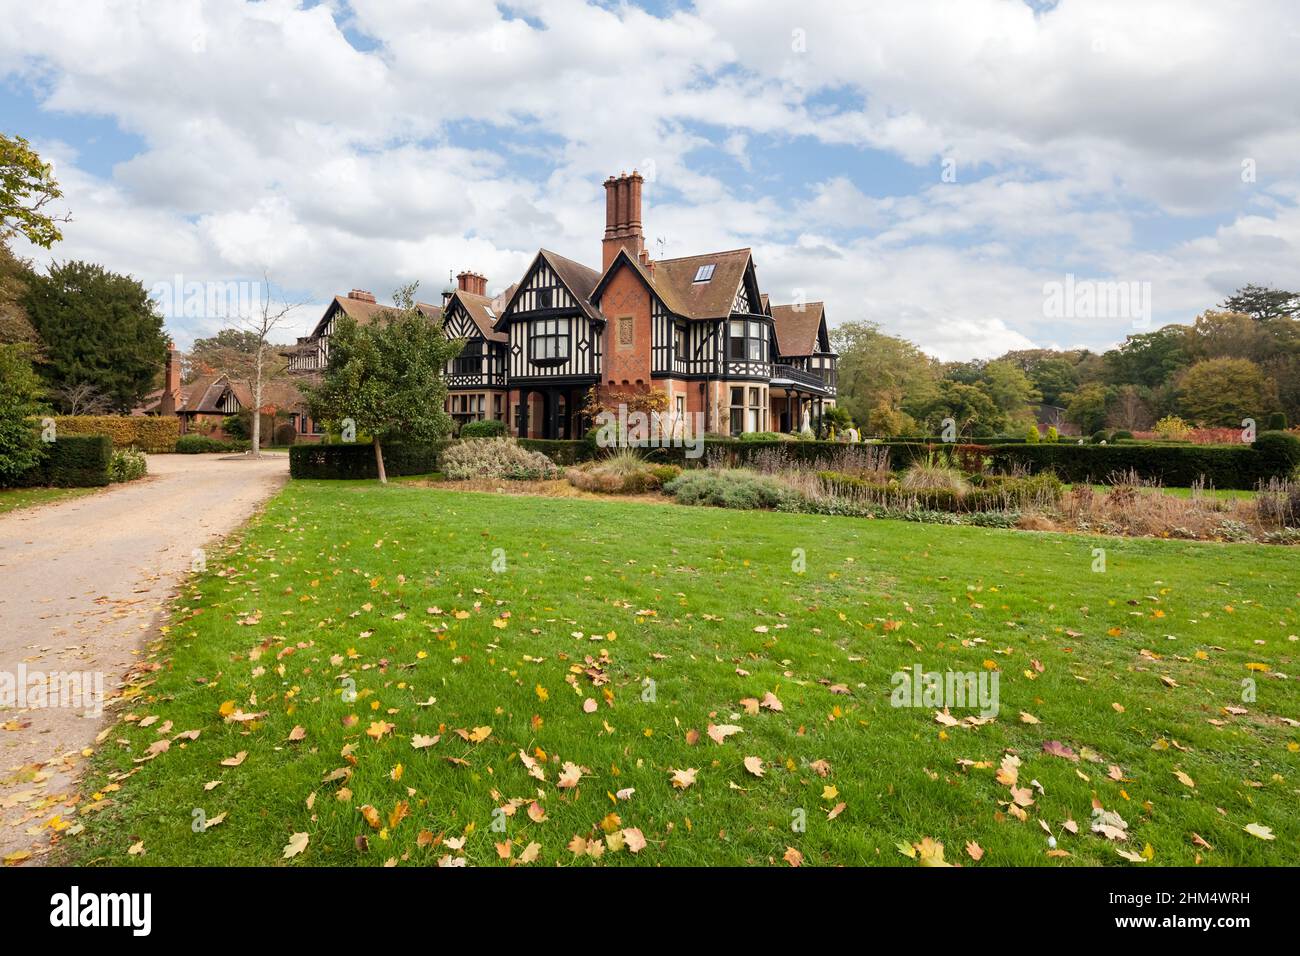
x,y
458,325
623,261
553,283
800,330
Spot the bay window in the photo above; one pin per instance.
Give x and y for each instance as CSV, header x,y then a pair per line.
x,y
745,340
548,341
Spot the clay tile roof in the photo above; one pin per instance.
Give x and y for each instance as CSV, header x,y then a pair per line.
x,y
797,329
360,309
202,394
243,393
366,312
674,280
580,280
477,307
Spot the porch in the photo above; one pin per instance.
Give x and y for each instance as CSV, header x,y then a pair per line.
x,y
550,411
797,398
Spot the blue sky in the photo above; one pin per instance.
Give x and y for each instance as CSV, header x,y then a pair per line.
x,y
331,146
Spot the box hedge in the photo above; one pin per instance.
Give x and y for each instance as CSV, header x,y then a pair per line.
x,y
151,433
1223,466
205,444
483,428
356,461
72,461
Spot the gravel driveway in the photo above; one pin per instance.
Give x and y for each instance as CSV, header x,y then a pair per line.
x,y
83,583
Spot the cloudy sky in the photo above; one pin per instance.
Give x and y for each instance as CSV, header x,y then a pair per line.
x,y
927,165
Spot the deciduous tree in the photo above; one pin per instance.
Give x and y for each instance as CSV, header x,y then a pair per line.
x,y
387,377
27,188
1222,392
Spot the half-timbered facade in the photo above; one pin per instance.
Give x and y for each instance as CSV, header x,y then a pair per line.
x,y
698,328
477,377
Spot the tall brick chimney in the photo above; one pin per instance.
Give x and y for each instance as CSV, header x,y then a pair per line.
x,y
472,282
622,218
171,390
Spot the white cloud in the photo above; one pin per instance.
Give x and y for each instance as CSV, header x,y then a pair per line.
x,y
270,142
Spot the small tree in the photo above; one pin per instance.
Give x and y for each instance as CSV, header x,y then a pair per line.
x,y
20,400
387,377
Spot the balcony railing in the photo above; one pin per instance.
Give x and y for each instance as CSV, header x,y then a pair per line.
x,y
798,376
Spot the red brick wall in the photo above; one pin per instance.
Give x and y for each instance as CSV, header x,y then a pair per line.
x,y
626,298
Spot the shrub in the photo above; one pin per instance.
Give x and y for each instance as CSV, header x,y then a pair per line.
x,y
486,428
357,461
933,475
285,434
621,472
728,488
237,426
1053,434
1122,435
155,434
202,444
560,451
1172,427
127,464
1100,436
20,398
765,436
1031,434
1278,503
495,458
665,473
1279,452
1276,422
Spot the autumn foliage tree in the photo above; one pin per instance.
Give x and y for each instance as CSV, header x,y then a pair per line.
x,y
1224,391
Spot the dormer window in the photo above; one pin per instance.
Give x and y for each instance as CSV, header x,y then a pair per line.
x,y
705,272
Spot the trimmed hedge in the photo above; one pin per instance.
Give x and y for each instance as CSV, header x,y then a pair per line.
x,y
1224,466
1279,453
1274,454
73,461
357,461
484,428
204,444
151,433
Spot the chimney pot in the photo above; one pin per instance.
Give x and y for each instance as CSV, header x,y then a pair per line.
x,y
622,217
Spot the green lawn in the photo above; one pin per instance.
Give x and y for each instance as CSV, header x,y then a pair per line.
x,y
394,588
11,499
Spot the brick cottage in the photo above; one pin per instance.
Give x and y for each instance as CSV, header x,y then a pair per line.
x,y
698,328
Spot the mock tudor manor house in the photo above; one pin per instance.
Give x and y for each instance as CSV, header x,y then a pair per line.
x,y
698,328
